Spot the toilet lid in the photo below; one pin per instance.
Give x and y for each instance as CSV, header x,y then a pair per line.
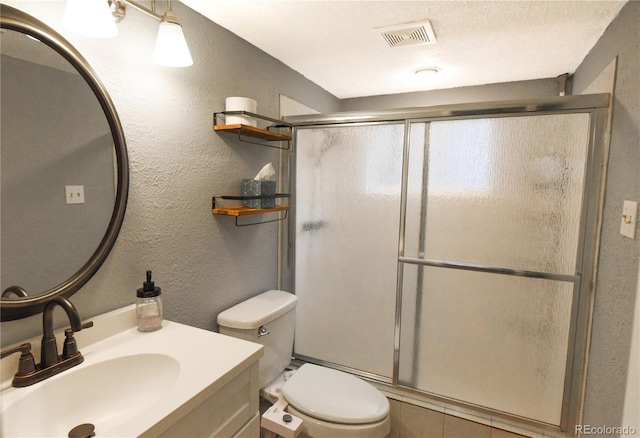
x,y
334,396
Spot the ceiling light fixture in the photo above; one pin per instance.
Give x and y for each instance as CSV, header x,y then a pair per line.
x,y
171,47
426,71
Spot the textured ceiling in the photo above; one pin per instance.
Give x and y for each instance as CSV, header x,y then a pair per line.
x,y
338,44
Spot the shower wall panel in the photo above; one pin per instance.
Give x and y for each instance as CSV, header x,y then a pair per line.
x,y
348,188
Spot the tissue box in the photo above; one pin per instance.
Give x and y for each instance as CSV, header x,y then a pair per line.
x,y
251,187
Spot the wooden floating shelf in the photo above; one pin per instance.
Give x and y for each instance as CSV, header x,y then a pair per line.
x,y
245,211
252,131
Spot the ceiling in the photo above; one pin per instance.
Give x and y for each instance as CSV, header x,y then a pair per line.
x,y
338,44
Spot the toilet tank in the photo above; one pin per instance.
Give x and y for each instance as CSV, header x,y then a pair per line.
x,y
267,319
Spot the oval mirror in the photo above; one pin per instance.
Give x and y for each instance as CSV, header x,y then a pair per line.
x,y
64,174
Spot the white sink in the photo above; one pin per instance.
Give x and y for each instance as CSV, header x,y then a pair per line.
x,y
103,393
130,384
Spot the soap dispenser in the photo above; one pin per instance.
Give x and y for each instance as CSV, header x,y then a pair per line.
x,y
149,306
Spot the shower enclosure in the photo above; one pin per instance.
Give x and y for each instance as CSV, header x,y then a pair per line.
x,y
450,251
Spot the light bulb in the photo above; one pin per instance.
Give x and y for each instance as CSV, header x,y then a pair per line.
x,y
90,18
171,47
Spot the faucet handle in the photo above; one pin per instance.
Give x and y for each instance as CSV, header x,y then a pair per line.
x,y
86,325
27,364
70,347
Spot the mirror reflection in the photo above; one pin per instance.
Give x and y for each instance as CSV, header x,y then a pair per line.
x,y
56,147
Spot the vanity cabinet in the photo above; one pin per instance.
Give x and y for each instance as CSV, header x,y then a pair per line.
x,y
179,381
231,412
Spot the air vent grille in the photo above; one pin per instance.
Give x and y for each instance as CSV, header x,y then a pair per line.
x,y
409,34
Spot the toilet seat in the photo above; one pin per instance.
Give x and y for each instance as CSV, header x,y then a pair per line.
x,y
333,396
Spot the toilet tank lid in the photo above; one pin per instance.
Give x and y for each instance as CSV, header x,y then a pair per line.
x,y
257,311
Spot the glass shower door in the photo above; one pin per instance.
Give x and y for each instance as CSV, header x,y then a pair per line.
x,y
347,212
490,260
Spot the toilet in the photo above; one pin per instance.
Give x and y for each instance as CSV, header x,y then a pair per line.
x,y
330,403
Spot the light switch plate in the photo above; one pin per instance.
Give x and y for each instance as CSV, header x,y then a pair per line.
x,y
74,194
629,219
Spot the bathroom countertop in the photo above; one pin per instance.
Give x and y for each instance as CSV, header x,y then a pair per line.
x,y
207,362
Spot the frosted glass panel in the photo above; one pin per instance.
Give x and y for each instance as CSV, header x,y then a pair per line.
x,y
348,183
504,192
492,340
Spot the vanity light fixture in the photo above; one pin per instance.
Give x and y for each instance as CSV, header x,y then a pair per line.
x,y
90,18
171,47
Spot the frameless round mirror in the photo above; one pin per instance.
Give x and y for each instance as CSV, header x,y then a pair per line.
x,y
64,170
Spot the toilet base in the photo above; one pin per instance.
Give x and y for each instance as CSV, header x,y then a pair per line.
x,y
314,428
271,391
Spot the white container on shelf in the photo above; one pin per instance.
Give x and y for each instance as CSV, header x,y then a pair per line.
x,y
240,104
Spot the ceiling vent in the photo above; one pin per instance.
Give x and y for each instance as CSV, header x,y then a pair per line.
x,y
409,34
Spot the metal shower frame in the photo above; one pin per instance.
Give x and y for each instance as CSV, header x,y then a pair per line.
x,y
597,106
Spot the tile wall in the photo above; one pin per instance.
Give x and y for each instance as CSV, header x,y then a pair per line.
x,y
411,421
418,418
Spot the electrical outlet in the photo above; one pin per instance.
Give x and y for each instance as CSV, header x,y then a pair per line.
x,y
629,219
74,194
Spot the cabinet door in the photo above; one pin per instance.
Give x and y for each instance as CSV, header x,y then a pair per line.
x,y
225,413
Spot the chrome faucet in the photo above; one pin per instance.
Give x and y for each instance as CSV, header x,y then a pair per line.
x,y
50,362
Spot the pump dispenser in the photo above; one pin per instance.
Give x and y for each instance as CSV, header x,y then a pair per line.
x,y
149,306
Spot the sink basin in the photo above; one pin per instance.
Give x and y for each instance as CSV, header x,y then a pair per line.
x,y
103,393
131,384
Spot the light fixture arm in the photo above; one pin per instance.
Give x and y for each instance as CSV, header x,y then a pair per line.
x,y
171,47
118,9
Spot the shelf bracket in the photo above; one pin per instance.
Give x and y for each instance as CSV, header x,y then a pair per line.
x,y
246,139
286,213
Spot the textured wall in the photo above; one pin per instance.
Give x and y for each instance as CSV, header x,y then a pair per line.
x,y
618,264
631,414
480,93
203,263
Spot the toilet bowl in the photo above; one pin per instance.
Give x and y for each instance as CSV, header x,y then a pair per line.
x,y
331,403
